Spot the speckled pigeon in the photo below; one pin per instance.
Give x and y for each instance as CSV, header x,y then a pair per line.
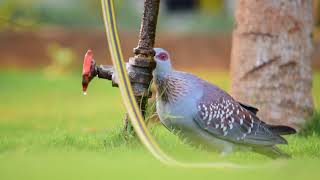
x,y
207,116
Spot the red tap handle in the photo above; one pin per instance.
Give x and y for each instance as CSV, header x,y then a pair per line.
x,y
86,69
87,63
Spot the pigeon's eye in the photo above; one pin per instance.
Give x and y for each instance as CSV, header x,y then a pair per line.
x,y
162,56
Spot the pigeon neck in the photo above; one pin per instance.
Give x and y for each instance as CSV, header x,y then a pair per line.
x,y
162,69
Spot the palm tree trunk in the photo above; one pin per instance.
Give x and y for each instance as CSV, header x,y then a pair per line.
x,y
271,59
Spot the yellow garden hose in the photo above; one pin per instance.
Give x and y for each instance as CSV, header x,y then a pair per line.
x,y
129,100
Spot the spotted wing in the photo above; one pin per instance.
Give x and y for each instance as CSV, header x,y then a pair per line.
x,y
228,120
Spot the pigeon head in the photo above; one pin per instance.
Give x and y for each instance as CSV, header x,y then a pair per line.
x,y
162,59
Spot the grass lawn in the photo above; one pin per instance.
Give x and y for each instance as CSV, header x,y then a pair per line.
x,y
49,130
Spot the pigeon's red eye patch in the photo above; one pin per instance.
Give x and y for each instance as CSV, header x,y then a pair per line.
x,y
162,56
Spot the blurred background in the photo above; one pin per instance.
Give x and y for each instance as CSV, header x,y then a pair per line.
x,y
47,126
34,31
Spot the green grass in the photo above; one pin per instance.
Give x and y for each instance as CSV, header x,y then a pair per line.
x,y
49,130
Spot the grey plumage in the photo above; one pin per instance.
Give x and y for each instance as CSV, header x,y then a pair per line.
x,y
208,116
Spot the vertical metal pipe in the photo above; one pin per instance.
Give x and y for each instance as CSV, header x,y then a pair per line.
x,y
148,28
142,64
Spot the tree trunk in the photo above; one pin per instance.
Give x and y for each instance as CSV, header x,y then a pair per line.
x,y
271,59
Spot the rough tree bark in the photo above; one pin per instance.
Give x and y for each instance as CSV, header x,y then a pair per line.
x,y
271,59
